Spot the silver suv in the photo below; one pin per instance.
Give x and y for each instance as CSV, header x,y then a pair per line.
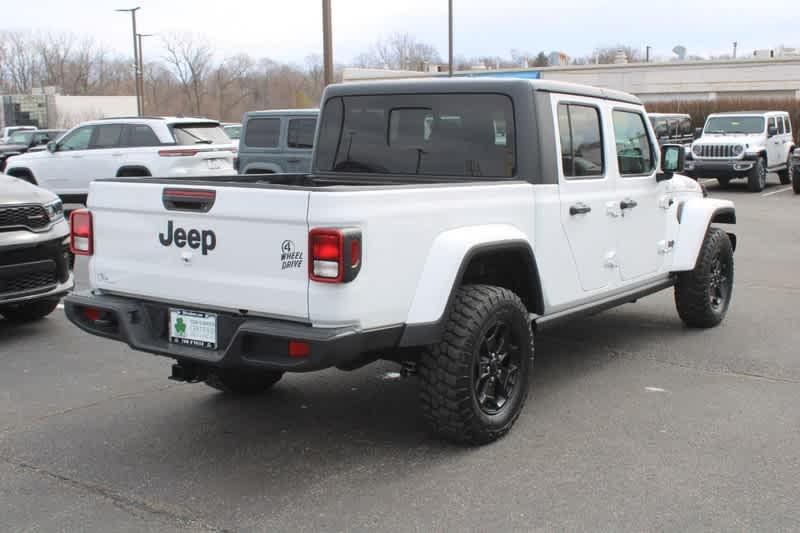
x,y
35,262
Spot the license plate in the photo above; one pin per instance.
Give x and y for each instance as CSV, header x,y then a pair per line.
x,y
193,328
215,164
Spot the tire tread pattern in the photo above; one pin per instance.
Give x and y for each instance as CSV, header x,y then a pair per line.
x,y
691,289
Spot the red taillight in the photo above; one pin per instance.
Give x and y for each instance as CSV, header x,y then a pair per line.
x,y
178,152
299,349
334,254
81,239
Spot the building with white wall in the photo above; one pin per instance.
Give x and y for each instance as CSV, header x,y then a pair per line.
x,y
653,82
45,108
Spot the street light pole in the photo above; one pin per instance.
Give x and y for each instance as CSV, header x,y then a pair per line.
x,y
133,11
327,42
141,67
450,38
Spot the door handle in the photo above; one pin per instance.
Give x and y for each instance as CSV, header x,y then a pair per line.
x,y
579,209
628,204
117,154
292,160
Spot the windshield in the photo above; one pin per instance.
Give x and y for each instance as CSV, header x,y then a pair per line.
x,y
734,124
234,132
426,134
20,137
201,133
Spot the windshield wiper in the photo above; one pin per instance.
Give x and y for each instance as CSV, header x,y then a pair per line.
x,y
200,140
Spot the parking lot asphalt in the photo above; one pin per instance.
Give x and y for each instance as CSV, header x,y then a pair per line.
x,y
633,423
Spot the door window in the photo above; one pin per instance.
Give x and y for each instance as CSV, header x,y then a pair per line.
x,y
263,132
77,140
106,136
781,131
581,141
140,135
301,132
788,124
635,155
686,126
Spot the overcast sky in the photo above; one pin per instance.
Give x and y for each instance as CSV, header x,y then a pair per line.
x,y
290,30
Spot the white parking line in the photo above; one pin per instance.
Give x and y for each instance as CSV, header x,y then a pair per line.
x,y
778,191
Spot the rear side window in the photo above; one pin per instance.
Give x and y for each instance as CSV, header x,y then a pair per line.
x,y
301,132
199,133
140,135
581,140
686,126
788,124
634,150
263,132
470,135
106,136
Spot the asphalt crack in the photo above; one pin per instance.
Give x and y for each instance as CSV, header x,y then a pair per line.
x,y
132,505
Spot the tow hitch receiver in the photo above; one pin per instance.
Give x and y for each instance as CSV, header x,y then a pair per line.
x,y
188,373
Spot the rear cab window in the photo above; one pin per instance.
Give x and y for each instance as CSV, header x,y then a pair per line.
x,y
469,135
186,134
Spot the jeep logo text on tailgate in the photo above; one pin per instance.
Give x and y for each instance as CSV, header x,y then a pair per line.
x,y
206,240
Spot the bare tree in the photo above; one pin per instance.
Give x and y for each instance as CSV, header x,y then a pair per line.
x,y
399,51
22,64
190,57
230,83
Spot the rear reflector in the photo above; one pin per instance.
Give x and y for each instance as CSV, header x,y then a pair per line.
x,y
92,314
81,239
299,349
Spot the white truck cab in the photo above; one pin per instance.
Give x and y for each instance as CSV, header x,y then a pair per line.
x,y
444,222
745,145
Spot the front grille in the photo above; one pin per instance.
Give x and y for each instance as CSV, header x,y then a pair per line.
x,y
24,216
717,150
28,282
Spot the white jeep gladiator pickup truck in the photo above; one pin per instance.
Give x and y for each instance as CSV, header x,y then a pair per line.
x,y
443,224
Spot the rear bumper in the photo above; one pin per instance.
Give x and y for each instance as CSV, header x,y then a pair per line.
x,y
243,342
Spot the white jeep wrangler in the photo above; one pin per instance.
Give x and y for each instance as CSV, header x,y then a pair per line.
x,y
743,145
444,223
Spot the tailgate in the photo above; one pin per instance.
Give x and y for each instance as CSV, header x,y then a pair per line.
x,y
247,252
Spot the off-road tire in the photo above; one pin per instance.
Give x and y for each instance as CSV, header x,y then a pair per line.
x,y
757,176
242,382
724,183
694,296
796,179
448,395
29,312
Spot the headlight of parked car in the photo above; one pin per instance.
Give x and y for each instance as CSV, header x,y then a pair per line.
x,y
697,150
55,210
737,150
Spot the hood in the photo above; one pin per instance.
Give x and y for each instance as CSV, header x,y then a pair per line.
x,y
13,148
17,191
729,138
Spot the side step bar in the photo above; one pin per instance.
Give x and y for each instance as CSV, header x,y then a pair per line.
x,y
591,308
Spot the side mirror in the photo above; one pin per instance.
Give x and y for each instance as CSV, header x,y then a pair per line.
x,y
698,132
52,147
772,131
672,159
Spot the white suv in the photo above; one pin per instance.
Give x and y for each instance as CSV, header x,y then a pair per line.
x,y
743,145
127,147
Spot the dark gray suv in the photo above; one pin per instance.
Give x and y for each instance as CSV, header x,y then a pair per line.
x,y
277,142
35,261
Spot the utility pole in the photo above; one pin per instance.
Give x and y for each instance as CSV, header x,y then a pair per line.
x,y
136,73
450,38
735,45
647,53
327,42
141,67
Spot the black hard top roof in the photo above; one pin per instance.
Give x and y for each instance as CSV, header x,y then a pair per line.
x,y
483,84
